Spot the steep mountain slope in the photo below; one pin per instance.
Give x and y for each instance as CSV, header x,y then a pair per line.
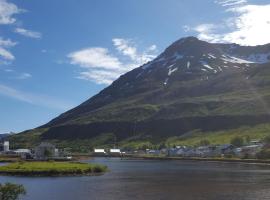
x,y
192,85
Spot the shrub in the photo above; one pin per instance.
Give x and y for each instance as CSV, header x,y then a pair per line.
x,y
11,191
237,141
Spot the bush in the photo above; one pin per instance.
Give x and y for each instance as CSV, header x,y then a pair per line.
x,y
11,191
266,140
237,141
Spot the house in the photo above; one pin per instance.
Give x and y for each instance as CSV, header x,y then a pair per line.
x,y
115,152
255,142
24,153
251,150
45,151
99,151
152,151
225,149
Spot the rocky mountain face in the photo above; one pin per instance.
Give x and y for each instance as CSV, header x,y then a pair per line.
x,y
192,85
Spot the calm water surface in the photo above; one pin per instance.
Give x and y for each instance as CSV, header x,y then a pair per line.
x,y
145,179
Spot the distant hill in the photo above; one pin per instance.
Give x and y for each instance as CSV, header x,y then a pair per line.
x,y
192,86
3,136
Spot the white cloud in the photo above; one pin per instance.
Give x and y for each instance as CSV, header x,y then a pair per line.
x,y
99,76
7,10
231,2
7,43
28,33
23,76
101,67
8,70
94,57
5,54
35,99
249,25
127,48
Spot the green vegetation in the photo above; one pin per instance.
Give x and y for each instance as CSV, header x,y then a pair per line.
x,y
237,141
11,191
51,168
258,132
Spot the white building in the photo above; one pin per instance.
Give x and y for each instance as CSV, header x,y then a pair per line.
x,y
99,151
6,146
22,151
115,151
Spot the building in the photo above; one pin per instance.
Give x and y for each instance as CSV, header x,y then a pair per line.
x,y
99,152
6,146
45,151
115,152
250,151
24,153
152,151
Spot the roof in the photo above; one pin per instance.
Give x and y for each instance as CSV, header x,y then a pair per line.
x,y
99,150
115,150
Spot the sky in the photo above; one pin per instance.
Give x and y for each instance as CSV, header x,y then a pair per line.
x,y
56,54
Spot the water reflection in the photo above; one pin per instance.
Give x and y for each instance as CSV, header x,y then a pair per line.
x,y
140,179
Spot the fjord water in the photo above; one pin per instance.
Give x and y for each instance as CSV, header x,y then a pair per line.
x,y
149,179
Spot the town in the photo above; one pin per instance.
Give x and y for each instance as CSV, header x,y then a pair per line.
x,y
46,151
251,150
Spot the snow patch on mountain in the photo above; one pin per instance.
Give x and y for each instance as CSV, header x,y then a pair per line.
x,y
172,70
211,56
205,64
233,59
188,64
166,81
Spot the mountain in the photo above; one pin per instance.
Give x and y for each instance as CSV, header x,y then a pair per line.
x,y
192,85
4,135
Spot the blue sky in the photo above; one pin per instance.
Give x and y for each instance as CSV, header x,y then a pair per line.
x,y
56,54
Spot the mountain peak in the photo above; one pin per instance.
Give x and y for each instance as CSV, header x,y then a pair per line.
x,y
191,85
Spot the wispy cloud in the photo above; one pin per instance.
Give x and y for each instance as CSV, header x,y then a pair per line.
x,y
35,99
24,76
102,67
249,24
7,12
231,2
28,33
5,54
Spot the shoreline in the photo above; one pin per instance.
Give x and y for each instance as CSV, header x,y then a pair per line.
x,y
198,159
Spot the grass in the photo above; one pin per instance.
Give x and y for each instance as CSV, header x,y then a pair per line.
x,y
51,168
221,137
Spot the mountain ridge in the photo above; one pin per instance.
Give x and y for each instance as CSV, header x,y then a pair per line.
x,y
192,85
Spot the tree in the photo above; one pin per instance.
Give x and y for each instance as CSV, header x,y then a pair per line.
x,y
266,140
248,139
237,141
11,191
47,153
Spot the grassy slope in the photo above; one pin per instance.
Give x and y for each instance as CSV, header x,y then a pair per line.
x,y
140,142
221,137
50,168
